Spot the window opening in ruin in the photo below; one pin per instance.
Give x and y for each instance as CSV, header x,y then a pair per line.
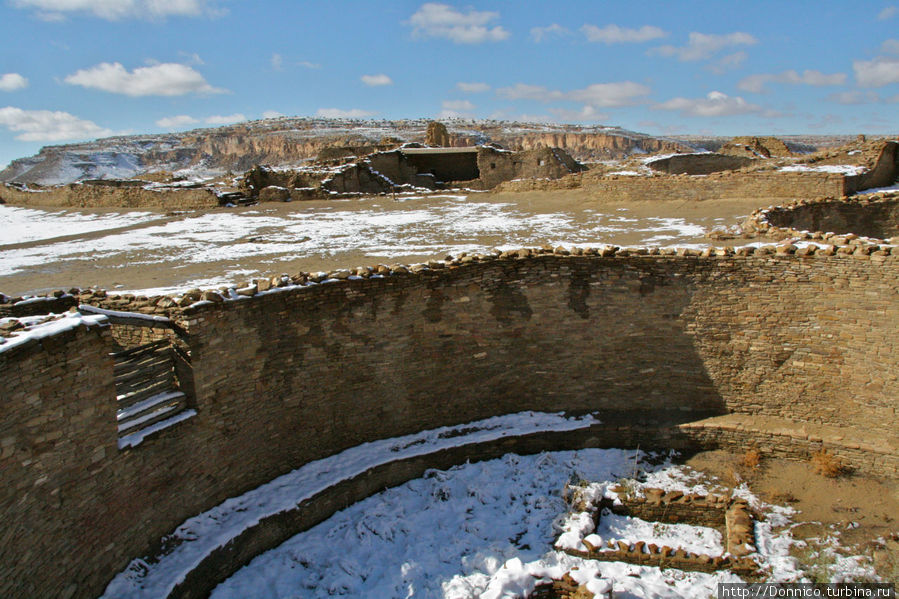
x,y
541,162
492,165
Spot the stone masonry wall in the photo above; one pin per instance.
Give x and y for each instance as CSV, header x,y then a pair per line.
x,y
292,375
773,185
98,196
698,164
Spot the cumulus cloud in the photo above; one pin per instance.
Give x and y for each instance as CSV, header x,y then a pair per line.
x,y
376,80
458,105
10,82
337,113
115,10
714,104
224,119
538,34
890,47
756,83
164,79
473,87
453,109
728,62
598,95
523,91
607,95
176,122
702,46
277,61
586,113
876,73
443,21
271,114
613,34
854,97
887,13
48,125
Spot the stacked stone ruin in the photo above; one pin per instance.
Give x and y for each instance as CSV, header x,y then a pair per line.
x,y
788,348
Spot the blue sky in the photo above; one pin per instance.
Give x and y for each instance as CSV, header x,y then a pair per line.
x,y
72,70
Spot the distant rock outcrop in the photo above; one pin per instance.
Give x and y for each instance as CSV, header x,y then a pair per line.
x,y
756,147
437,135
294,141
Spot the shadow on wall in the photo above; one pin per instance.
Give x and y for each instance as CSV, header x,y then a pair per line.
x,y
473,343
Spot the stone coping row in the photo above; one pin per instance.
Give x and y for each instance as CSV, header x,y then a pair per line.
x,y
758,224
192,300
658,505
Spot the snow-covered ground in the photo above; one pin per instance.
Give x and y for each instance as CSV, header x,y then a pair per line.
x,y
200,535
376,227
487,530
19,225
477,530
839,169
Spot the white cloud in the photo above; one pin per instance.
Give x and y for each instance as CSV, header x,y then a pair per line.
x,y
598,95
376,80
47,125
607,95
587,113
473,87
538,34
192,58
309,65
702,46
224,119
728,62
714,104
887,13
458,105
10,82
890,47
164,79
443,21
613,34
114,10
756,83
277,61
523,91
271,114
854,97
337,113
876,73
176,122
454,109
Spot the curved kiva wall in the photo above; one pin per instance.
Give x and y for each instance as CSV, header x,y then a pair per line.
x,y
784,351
873,216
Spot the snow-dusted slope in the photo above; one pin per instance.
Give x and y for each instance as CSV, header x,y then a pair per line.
x,y
288,141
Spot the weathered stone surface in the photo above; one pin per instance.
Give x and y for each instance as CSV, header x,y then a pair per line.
x,y
811,341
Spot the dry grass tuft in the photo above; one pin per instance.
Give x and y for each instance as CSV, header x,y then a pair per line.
x,y
751,459
827,464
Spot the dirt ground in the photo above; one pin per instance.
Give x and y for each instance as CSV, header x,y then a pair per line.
x,y
862,512
164,267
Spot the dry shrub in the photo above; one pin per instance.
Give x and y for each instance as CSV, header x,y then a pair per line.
x,y
751,459
827,464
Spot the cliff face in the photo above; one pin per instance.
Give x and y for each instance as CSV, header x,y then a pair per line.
x,y
290,141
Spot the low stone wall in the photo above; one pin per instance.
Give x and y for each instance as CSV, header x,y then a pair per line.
x,y
699,164
843,220
79,195
731,516
286,373
774,186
